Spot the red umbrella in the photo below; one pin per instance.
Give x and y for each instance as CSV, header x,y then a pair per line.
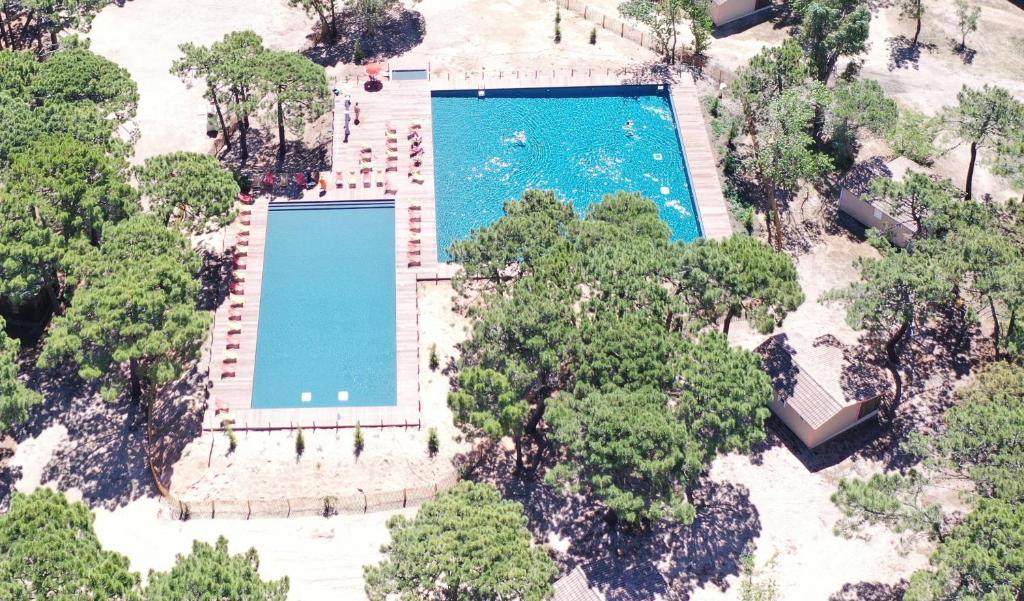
x,y
374,69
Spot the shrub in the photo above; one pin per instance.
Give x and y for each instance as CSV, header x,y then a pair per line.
x,y
358,56
433,442
358,442
300,443
330,506
232,439
435,361
558,15
593,36
914,137
558,34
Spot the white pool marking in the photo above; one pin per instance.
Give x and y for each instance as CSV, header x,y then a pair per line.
x,y
306,397
342,396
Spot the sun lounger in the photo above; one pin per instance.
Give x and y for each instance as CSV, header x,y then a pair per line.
x,y
378,177
242,241
228,371
233,342
245,220
235,314
390,128
415,263
268,180
230,356
417,177
240,263
300,180
236,300
390,186
415,125
239,276
237,288
245,199
414,250
241,252
234,329
415,206
339,180
367,177
245,212
352,178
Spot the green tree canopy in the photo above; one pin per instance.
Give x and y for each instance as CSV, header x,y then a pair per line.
x,y
786,157
587,321
985,119
17,70
75,187
981,440
983,558
296,90
467,543
859,104
740,276
48,550
134,310
210,573
628,448
831,29
78,75
30,253
893,500
233,70
15,398
917,195
188,189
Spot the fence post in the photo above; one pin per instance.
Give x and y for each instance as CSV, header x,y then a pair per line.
x,y
249,505
622,30
213,509
405,497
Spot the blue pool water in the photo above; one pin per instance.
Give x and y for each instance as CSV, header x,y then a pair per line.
x,y
327,307
575,143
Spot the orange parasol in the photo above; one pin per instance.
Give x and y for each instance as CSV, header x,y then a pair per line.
x,y
374,69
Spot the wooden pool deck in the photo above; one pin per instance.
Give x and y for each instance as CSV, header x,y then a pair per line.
x,y
401,104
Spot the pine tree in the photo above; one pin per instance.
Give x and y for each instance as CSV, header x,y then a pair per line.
x,y
188,189
466,543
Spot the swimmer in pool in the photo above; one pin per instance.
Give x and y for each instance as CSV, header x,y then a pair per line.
x,y
520,138
628,127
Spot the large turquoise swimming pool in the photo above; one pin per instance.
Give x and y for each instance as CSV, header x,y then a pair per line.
x,y
577,141
327,307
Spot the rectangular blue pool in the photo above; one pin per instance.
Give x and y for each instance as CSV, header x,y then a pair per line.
x,y
583,142
327,308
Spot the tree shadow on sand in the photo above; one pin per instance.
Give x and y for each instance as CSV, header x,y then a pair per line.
x,y
966,53
665,559
398,32
870,591
215,277
104,456
904,53
263,155
933,362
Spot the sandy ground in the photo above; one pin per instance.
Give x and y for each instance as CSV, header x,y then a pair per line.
x,y
143,37
829,264
797,517
323,558
264,466
465,35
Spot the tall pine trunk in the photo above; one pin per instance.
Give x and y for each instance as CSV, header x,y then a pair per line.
x,y
970,171
728,320
135,380
280,129
917,32
220,118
